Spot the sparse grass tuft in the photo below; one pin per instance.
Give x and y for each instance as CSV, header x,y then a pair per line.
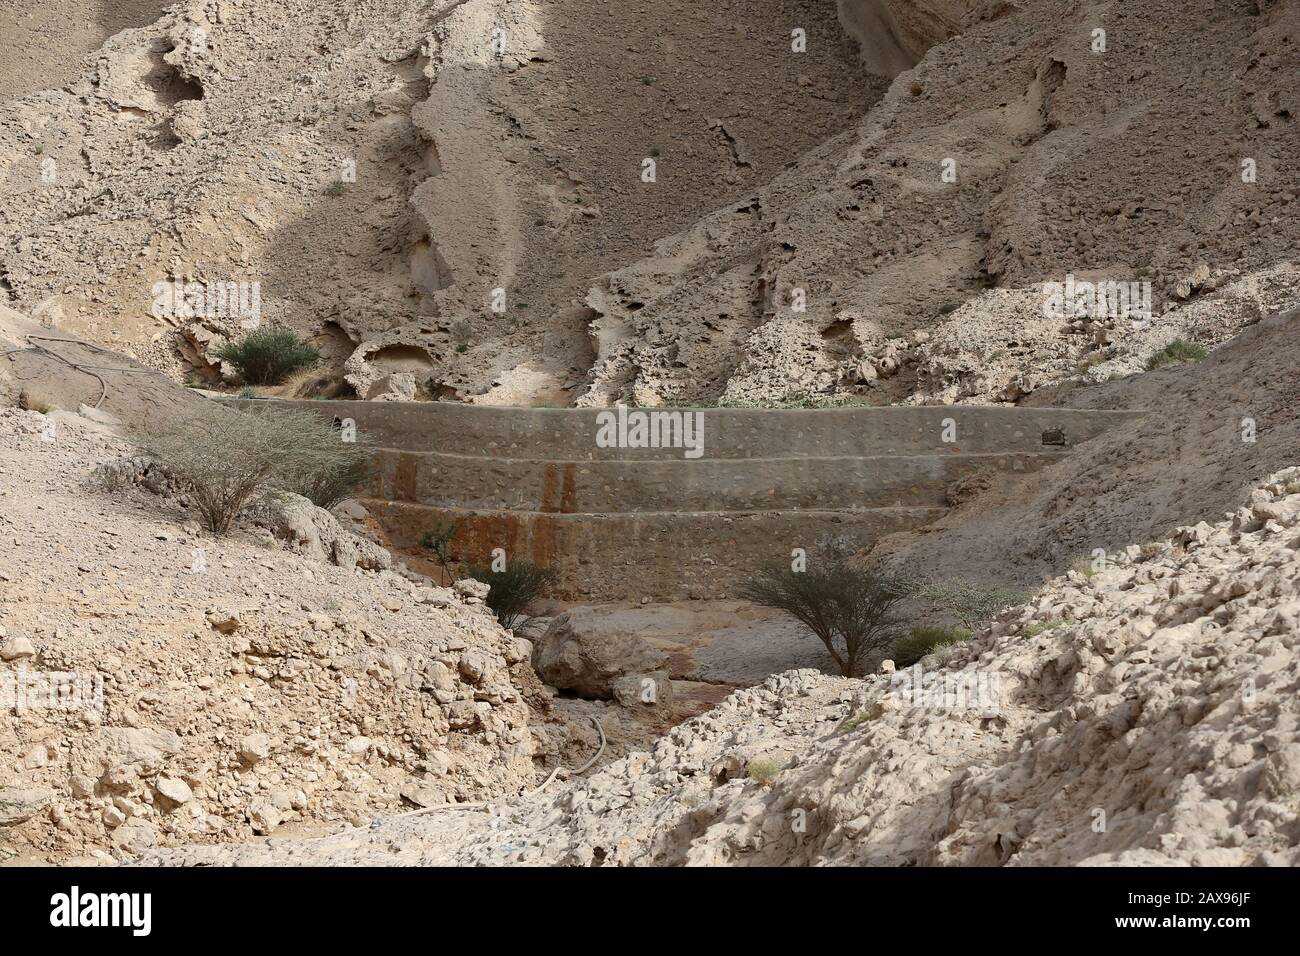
x,y
34,402
1091,360
1084,565
861,716
922,641
322,383
1176,352
1034,628
763,771
1149,550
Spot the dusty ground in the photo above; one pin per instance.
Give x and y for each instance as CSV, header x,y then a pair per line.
x,y
44,43
718,642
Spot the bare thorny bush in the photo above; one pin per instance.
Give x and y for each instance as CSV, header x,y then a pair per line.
x,y
848,606
227,459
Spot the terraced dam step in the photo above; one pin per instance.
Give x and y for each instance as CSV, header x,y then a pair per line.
x,y
573,434
742,484
651,554
587,492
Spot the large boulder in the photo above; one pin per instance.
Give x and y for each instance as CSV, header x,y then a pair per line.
x,y
316,533
580,653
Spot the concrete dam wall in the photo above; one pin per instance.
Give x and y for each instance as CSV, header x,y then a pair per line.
x,y
586,492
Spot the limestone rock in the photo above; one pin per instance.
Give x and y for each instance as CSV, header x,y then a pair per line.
x,y
576,654
255,747
468,587
136,836
317,534
175,790
22,803
17,649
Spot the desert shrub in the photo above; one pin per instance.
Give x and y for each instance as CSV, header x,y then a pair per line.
x,y
226,459
326,470
269,353
439,541
763,771
462,334
971,604
1176,352
848,607
1034,628
921,641
514,589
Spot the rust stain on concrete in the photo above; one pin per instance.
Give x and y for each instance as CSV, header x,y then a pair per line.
x,y
404,476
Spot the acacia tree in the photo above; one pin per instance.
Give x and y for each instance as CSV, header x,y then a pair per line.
x,y
972,604
849,607
227,458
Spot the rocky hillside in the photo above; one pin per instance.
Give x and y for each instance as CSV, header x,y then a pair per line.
x,y
1212,430
1143,713
462,191
1027,150
286,679
741,202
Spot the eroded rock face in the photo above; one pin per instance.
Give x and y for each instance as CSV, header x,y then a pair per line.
x,y
1002,347
578,654
895,34
980,168
18,804
382,181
